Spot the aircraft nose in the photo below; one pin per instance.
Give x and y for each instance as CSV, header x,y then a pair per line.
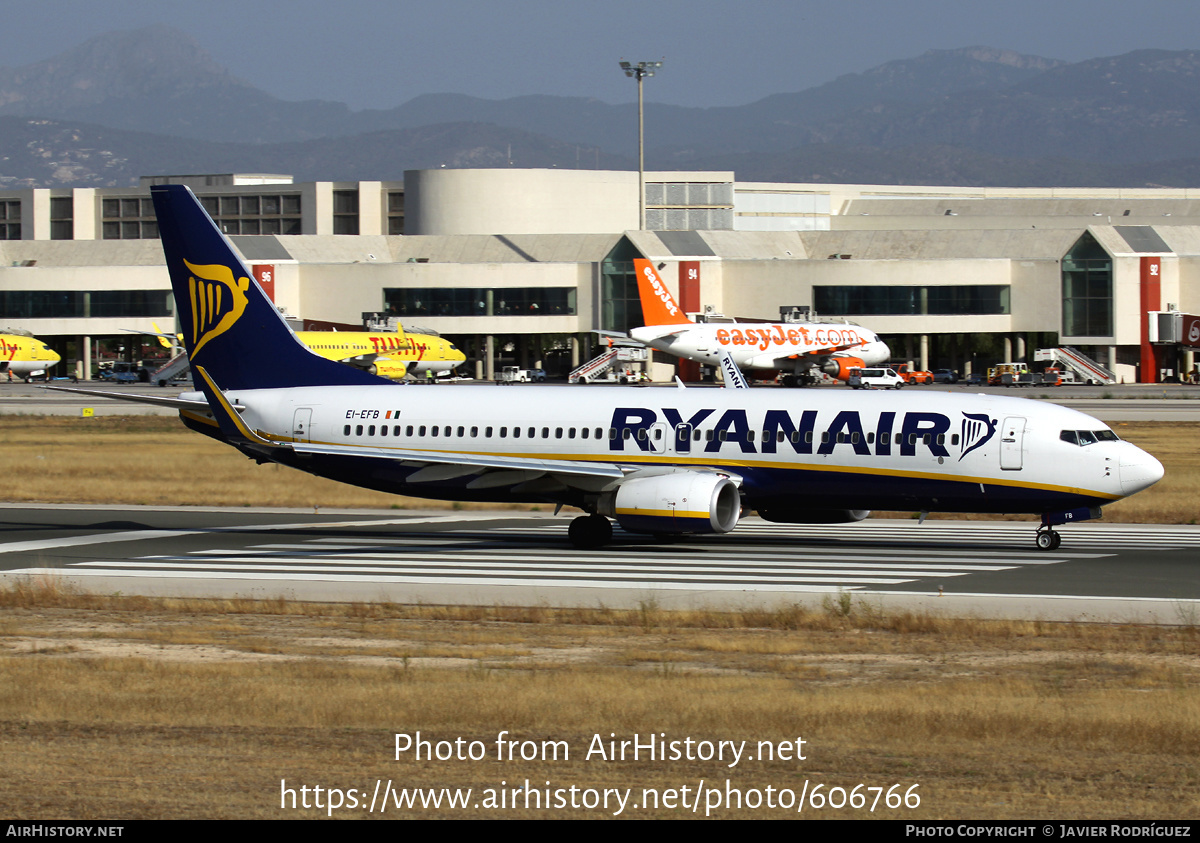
x,y
1139,470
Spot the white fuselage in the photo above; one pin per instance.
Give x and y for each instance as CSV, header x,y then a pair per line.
x,y
782,346
865,451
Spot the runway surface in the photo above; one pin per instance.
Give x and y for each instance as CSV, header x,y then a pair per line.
x,y
986,569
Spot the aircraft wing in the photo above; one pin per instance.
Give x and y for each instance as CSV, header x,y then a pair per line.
x,y
649,333
441,465
178,403
778,361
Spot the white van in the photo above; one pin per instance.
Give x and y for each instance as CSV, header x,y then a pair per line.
x,y
875,378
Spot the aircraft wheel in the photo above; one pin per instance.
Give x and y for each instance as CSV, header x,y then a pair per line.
x,y
1048,540
588,532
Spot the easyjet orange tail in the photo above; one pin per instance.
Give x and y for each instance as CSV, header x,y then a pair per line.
x,y
658,306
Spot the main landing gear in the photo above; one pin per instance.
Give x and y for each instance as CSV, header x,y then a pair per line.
x,y
1047,539
588,532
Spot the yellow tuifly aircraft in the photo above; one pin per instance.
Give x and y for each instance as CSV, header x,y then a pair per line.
x,y
384,353
24,356
389,355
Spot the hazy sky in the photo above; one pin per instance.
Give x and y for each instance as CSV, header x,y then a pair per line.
x,y
378,54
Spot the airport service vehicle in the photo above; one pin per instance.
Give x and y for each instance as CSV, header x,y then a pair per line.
x,y
514,374
25,356
1018,374
911,375
666,461
876,378
794,348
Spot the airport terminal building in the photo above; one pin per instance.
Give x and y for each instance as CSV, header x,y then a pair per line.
x,y
529,267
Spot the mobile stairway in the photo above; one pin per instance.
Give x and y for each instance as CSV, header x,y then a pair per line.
x,y
1085,368
594,368
176,367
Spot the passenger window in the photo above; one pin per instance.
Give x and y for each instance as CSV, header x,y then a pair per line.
x,y
504,433
421,430
408,430
570,433
583,432
346,430
460,431
487,433
474,431
383,430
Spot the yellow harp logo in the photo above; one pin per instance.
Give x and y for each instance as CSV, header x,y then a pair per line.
x,y
218,301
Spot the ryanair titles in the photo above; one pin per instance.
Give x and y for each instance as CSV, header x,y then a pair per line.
x,y
885,434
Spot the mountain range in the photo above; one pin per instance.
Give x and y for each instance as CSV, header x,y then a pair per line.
x,y
152,101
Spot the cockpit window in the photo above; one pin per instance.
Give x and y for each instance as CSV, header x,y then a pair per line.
x,y
1088,437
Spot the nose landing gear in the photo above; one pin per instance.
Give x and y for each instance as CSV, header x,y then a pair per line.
x,y
1047,539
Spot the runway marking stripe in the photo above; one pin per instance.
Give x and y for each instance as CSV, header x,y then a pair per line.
x,y
649,571
312,571
703,554
814,587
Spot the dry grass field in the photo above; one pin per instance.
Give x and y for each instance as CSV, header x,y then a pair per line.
x,y
127,708
122,708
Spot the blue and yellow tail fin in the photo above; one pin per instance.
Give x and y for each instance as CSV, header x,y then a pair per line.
x,y
230,327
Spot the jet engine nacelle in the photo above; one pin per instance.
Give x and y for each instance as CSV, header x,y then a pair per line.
x,y
676,502
793,515
839,367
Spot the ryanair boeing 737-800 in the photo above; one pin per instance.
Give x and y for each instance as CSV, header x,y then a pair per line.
x,y
657,461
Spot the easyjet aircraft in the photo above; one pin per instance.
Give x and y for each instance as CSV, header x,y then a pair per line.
x,y
25,356
793,348
658,461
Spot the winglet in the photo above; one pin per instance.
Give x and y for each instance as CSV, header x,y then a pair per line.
x,y
734,379
658,305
